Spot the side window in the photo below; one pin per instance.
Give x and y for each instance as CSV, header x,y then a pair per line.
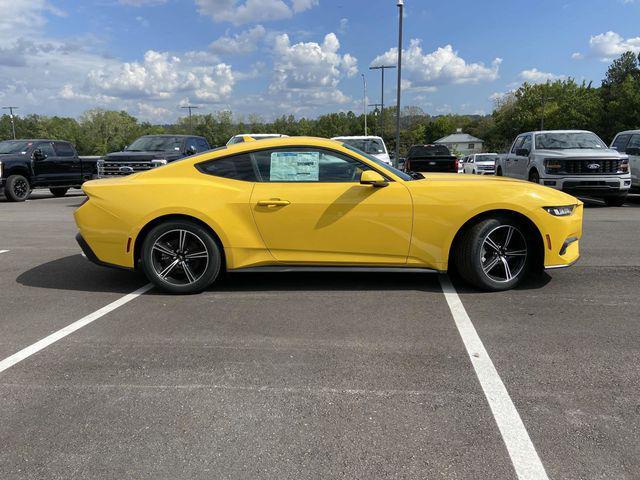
x,y
472,146
517,144
306,165
202,145
47,149
63,149
621,141
239,167
526,143
634,143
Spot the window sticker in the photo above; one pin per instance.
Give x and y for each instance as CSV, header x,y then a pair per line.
x,y
295,167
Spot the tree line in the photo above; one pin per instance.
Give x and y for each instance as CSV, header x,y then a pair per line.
x,y
562,104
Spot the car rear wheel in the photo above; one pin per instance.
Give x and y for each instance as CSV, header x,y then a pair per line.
x,y
534,177
181,257
17,188
59,191
499,172
494,254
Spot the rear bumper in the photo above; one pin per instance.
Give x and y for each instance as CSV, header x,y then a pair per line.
x,y
92,257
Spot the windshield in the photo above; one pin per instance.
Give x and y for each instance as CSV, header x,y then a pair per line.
x,y
156,144
429,151
380,163
486,158
570,140
14,147
372,146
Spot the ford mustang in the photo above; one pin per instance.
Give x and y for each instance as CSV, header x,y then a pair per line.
x,y
311,203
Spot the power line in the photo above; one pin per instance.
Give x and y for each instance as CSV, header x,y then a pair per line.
x,y
13,124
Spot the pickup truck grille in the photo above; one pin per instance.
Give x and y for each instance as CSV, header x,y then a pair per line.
x,y
589,166
119,169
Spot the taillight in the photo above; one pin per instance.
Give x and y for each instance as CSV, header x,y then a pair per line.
x,y
457,164
407,165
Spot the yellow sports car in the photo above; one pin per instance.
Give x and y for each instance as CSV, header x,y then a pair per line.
x,y
306,203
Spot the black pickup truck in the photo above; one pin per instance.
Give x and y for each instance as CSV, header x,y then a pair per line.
x,y
431,158
41,163
150,151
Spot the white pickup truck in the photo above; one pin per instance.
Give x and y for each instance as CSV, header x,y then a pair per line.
x,y
574,161
629,143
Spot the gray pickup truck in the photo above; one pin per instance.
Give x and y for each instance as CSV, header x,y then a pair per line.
x,y
574,161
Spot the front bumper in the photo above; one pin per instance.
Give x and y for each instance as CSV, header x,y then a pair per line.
x,y
561,238
597,185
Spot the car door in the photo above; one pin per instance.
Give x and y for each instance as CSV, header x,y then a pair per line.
x,y
44,168
633,150
520,163
469,164
310,208
68,168
510,163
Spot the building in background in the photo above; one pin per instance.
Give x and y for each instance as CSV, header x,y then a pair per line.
x,y
462,144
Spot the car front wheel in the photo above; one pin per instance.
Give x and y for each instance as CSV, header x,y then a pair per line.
x,y
494,254
17,188
59,191
181,257
615,201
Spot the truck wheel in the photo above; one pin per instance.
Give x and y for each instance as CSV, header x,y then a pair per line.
x,y
494,254
59,191
534,176
181,257
499,172
615,201
17,188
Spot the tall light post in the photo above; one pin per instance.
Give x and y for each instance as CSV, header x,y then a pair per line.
x,y
375,107
400,14
13,124
364,103
382,68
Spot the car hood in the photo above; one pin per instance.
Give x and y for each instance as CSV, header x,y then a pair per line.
x,y
493,184
8,157
582,153
141,156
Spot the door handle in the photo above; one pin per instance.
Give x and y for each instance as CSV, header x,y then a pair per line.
x,y
276,202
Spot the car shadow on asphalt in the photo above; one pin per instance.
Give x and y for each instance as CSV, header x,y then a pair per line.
x,y
75,273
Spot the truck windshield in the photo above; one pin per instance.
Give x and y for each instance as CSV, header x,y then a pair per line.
x,y
569,140
486,158
372,146
380,163
156,144
429,151
13,146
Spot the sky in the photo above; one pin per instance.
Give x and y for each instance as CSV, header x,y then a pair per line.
x,y
299,57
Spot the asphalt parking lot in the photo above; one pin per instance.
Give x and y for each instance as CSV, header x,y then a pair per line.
x,y
313,376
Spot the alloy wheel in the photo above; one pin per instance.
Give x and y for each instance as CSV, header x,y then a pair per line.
x,y
179,257
21,188
504,254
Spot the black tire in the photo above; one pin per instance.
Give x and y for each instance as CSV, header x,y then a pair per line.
x,y
615,201
17,188
534,176
161,249
59,191
474,256
499,172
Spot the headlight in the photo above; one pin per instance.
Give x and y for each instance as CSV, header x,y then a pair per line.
x,y
623,166
560,211
158,162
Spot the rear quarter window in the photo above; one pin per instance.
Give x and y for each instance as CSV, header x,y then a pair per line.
x,y
239,167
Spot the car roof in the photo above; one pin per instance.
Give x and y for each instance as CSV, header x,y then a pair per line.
x,y
538,132
34,140
260,135
168,135
627,132
357,137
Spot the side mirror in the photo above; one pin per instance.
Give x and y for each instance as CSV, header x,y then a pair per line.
x,y
39,155
126,147
522,152
191,150
370,177
635,151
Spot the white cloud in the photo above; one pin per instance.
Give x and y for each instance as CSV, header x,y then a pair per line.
x,y
142,3
344,26
610,45
577,56
310,71
21,17
443,66
241,43
251,11
536,76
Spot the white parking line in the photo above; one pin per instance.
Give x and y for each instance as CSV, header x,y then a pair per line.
x,y
4,251
523,454
69,329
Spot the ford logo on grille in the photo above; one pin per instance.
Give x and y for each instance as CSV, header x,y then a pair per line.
x,y
125,170
593,166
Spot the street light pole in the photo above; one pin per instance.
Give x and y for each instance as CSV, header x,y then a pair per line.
x,y
376,106
400,14
13,124
382,68
364,103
